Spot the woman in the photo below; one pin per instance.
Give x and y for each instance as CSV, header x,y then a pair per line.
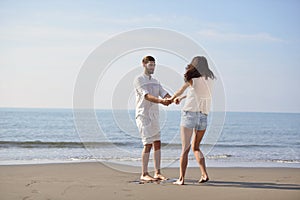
x,y
199,79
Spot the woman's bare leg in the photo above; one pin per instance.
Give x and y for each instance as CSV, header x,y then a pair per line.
x,y
186,135
198,153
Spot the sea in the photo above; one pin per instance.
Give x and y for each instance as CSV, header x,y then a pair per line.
x,y
240,139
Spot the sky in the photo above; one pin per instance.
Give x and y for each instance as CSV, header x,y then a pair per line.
x,y
255,46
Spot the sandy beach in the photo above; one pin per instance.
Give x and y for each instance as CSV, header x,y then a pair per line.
x,y
97,181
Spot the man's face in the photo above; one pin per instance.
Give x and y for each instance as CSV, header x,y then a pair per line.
x,y
149,67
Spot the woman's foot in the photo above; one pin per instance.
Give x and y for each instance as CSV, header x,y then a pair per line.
x,y
179,182
203,179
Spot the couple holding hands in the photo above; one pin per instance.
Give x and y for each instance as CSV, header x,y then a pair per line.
x,y
198,79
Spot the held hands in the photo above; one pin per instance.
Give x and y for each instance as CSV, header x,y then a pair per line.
x,y
168,101
177,100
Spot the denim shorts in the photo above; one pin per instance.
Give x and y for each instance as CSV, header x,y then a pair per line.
x,y
193,120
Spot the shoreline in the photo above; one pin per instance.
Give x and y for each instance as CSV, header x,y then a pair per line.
x,y
109,164
192,163
95,180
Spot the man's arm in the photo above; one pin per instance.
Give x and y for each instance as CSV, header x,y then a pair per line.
x,y
154,99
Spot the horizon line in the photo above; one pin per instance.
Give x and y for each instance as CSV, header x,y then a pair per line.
x,y
68,108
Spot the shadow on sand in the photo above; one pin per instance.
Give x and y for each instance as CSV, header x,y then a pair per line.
x,y
231,184
239,184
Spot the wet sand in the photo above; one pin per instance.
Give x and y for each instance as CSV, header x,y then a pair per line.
x,y
77,181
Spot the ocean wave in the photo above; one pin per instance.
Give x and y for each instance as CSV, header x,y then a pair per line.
x,y
66,144
206,145
43,144
285,161
222,156
247,145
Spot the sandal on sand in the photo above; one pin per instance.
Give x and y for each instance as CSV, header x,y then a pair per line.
x,y
203,180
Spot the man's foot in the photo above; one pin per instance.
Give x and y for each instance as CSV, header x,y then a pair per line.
x,y
179,182
147,177
160,177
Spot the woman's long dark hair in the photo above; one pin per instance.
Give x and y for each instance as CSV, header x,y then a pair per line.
x,y
198,68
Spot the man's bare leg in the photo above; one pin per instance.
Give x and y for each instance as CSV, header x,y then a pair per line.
x,y
157,158
145,160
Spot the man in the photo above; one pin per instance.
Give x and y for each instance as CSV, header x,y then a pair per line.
x,y
148,90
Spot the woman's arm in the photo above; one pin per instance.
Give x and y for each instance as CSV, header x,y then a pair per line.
x,y
177,100
180,91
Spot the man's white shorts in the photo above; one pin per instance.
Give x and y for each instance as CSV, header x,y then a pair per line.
x,y
149,129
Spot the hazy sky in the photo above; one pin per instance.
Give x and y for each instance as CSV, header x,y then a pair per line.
x,y
254,44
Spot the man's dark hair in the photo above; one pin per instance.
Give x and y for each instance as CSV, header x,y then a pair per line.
x,y
147,59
